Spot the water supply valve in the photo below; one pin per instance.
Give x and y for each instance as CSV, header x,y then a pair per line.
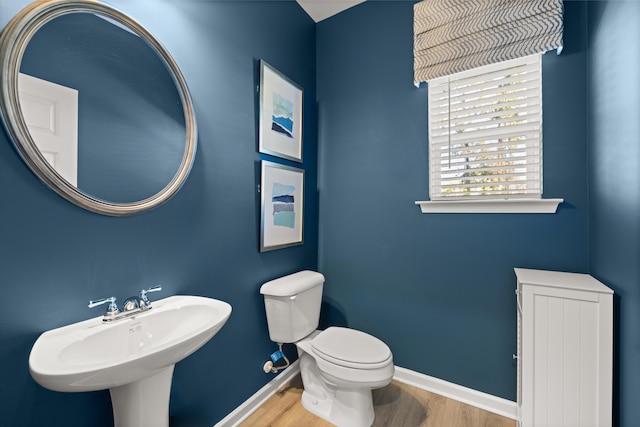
x,y
269,366
277,356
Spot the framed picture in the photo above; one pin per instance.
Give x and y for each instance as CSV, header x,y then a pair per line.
x,y
280,115
282,211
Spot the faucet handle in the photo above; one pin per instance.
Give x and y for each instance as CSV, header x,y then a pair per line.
x,y
112,309
144,292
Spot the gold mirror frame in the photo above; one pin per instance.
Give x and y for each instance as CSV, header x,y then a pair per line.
x,y
13,42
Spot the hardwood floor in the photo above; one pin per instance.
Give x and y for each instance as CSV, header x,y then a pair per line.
x,y
396,405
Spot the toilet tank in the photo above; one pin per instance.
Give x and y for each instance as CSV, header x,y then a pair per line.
x,y
292,304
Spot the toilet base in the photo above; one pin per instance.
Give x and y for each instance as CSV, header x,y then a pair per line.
x,y
347,408
341,406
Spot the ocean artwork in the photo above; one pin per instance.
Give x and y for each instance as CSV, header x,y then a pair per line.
x,y
283,205
282,117
281,213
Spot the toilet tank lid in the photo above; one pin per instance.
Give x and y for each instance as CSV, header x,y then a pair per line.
x,y
292,284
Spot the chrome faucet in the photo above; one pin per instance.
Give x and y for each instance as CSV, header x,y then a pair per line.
x,y
131,306
133,303
112,308
144,292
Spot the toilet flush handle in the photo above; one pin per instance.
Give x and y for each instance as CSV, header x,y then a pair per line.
x,y
293,297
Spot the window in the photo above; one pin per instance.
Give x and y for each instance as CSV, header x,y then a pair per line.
x,y
485,132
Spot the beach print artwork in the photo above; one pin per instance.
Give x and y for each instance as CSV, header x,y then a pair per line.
x,y
282,117
283,200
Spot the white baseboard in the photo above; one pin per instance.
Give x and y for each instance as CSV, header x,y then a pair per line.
x,y
457,392
249,406
472,397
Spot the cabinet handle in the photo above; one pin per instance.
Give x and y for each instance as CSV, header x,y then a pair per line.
x,y
515,356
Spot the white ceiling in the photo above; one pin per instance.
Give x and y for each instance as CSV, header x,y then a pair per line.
x,y
322,9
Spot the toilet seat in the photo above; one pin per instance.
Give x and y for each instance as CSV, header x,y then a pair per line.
x,y
351,349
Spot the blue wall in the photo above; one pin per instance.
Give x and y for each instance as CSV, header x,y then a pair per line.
x,y
614,183
56,256
439,288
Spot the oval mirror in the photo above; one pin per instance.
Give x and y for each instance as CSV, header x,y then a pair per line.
x,y
95,106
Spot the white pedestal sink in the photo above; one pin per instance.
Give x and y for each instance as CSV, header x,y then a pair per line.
x,y
132,357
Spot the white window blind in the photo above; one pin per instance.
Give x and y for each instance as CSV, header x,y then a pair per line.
x,y
485,132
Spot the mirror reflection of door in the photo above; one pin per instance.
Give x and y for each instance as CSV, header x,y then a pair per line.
x,y
51,113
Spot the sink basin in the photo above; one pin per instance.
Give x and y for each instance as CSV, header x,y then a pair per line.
x,y
130,356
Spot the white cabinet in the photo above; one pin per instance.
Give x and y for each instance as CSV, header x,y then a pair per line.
x,y
565,350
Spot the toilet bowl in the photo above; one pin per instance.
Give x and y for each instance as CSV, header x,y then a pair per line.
x,y
339,366
338,373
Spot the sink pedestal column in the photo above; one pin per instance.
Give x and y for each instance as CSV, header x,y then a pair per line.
x,y
143,403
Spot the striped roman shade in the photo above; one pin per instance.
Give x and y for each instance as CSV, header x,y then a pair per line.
x,y
451,36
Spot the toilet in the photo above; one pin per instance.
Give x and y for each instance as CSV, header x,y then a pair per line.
x,y
339,366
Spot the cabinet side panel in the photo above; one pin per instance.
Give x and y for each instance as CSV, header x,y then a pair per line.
x,y
571,363
605,361
526,357
555,362
519,355
540,358
589,366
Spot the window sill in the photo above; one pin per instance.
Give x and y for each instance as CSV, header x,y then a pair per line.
x,y
491,206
